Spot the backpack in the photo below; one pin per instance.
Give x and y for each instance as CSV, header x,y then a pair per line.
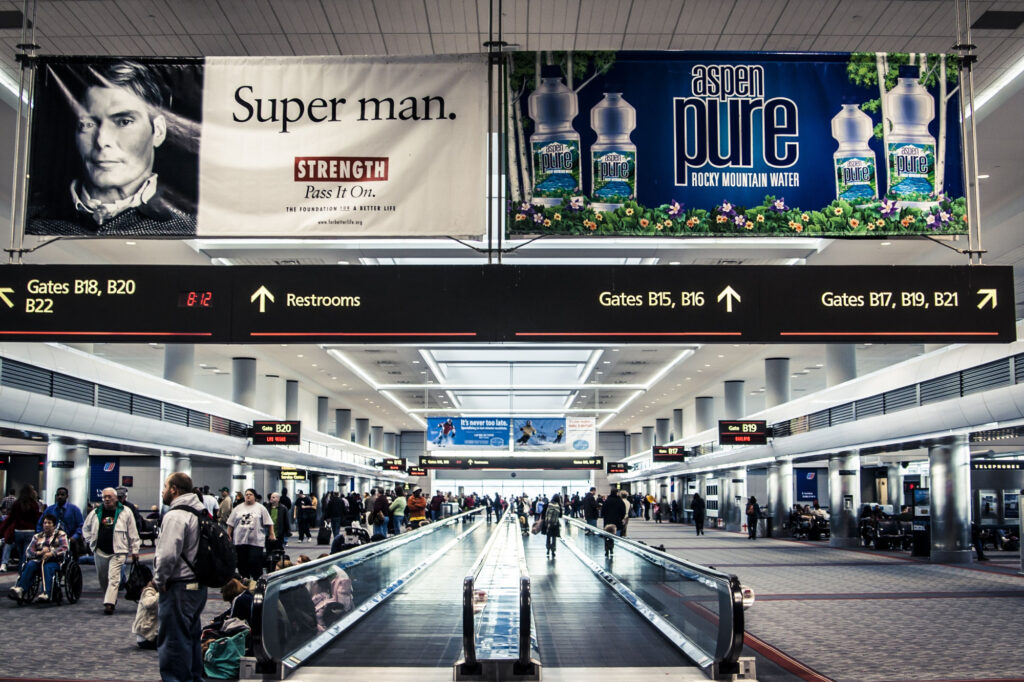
x,y
215,555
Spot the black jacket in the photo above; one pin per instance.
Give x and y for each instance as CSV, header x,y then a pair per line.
x,y
614,510
283,527
590,510
698,507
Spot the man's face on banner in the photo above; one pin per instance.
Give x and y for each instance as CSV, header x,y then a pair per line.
x,y
116,140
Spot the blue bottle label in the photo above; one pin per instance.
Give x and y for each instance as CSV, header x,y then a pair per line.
x,y
855,178
556,167
911,171
614,175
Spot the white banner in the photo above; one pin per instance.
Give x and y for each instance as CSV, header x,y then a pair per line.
x,y
259,147
343,146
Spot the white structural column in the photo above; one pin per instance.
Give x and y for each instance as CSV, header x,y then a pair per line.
x,y
735,399
705,407
894,484
179,363
647,438
840,363
183,463
661,431
677,424
343,424
291,399
780,492
844,498
636,442
241,477
67,466
949,467
323,415
243,381
167,467
776,381
363,431
377,437
733,501
391,443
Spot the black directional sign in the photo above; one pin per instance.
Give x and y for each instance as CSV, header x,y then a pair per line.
x,y
514,462
669,453
640,304
276,433
742,432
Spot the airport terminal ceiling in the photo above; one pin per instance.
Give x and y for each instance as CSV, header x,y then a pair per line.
x,y
391,383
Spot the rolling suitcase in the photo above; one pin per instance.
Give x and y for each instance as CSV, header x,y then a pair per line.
x,y
323,536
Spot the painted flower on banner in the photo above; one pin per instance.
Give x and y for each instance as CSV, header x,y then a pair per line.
x,y
888,208
668,222
576,203
741,221
629,211
854,223
944,217
727,209
779,205
675,209
538,217
644,222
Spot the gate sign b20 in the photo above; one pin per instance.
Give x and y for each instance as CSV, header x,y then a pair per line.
x,y
276,433
742,432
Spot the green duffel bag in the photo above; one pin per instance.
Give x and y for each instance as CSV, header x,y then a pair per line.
x,y
224,656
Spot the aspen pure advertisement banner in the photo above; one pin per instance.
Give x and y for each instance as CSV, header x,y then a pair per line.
x,y
735,144
468,433
259,147
555,434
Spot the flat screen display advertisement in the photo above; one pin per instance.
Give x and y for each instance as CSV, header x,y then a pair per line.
x,y
568,434
259,146
739,144
468,433
104,472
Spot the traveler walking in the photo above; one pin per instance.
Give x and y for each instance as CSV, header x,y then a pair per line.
x,y
69,517
334,512
697,506
224,508
379,509
112,536
303,509
614,512
590,510
753,514
279,518
553,524
182,597
249,526
397,510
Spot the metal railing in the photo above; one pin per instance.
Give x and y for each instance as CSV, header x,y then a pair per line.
x,y
496,590
700,609
299,610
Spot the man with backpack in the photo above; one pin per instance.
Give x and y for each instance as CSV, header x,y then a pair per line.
x,y
182,595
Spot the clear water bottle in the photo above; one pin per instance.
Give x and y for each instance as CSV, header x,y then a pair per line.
x,y
854,162
555,144
613,156
911,149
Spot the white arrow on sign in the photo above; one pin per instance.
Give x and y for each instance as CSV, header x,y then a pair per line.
x,y
728,293
263,294
3,295
989,296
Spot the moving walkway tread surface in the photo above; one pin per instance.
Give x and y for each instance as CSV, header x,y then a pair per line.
x,y
419,626
580,622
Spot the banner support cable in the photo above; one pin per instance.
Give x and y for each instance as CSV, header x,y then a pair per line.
x,y
971,58
968,151
19,184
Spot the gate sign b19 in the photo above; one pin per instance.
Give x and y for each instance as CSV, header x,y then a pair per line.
x,y
742,432
275,433
393,464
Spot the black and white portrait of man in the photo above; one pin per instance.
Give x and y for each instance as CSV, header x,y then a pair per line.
x,y
134,132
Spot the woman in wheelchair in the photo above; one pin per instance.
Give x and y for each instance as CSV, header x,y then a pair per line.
x,y
47,550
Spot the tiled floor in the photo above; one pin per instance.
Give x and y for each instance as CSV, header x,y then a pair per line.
x,y
865,616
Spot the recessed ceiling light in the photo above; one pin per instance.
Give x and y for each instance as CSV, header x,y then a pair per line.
x,y
720,355
885,243
980,177
689,378
300,355
606,362
314,364
706,364
133,243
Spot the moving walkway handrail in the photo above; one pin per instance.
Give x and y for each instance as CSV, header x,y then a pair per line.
x,y
468,594
524,649
729,642
345,559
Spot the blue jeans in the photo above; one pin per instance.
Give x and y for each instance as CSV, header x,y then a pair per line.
x,y
22,539
380,529
396,524
178,646
335,526
32,569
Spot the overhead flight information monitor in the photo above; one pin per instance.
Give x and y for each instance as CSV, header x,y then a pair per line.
x,y
618,468
669,453
393,464
742,432
276,433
